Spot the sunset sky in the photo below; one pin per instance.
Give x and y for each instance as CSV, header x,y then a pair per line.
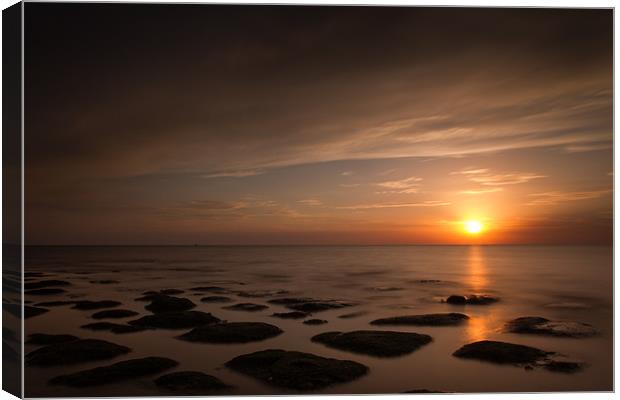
x,y
179,124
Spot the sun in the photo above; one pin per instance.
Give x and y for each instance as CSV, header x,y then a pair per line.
x,y
473,227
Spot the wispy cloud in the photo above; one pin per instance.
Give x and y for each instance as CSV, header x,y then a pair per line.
x,y
552,198
582,148
481,191
347,173
310,202
431,203
407,185
484,176
234,174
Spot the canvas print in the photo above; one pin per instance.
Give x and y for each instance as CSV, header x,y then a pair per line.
x,y
259,200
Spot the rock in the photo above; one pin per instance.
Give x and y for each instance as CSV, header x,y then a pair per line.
x,y
34,274
567,367
310,305
216,299
116,372
296,370
444,319
210,289
353,315
171,291
81,350
290,315
189,382
251,307
94,305
29,311
113,314
262,293
473,299
45,291
44,339
543,326
232,332
45,284
374,343
114,328
162,303
176,320
105,282
315,321
501,352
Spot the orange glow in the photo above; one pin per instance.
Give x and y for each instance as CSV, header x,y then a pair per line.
x,y
473,227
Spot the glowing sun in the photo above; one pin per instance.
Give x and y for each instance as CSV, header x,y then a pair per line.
x,y
473,227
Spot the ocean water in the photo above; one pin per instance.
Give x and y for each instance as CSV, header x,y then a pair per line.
x,y
557,282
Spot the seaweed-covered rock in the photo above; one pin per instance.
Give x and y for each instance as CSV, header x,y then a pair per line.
x,y
443,319
374,343
44,339
543,326
114,328
176,320
290,315
251,307
73,352
296,370
315,321
232,332
216,299
117,372
190,382
45,284
94,305
473,299
309,305
45,291
162,303
113,314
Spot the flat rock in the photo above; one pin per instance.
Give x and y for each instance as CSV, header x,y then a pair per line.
x,y
251,307
176,320
374,343
45,291
117,372
216,299
309,305
45,284
44,339
113,314
290,315
232,332
114,328
94,305
473,299
81,350
443,319
296,370
315,321
543,326
162,303
29,311
190,382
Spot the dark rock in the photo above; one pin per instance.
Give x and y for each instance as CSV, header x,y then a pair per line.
x,y
292,300
119,371
474,299
113,314
216,299
543,326
45,291
34,274
45,284
374,343
210,289
456,299
444,319
262,293
315,321
81,350
353,315
296,370
44,339
567,367
105,282
232,332
189,382
162,303
501,352
114,328
94,305
171,291
29,311
309,305
251,307
290,315
176,320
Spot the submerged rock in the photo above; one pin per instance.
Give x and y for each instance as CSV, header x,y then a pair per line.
x,y
315,321
44,339
474,299
104,282
176,320
162,303
113,314
296,370
290,315
116,372
309,305
114,328
45,291
190,382
374,343
543,326
444,319
232,332
81,350
94,305
216,299
251,307
45,284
